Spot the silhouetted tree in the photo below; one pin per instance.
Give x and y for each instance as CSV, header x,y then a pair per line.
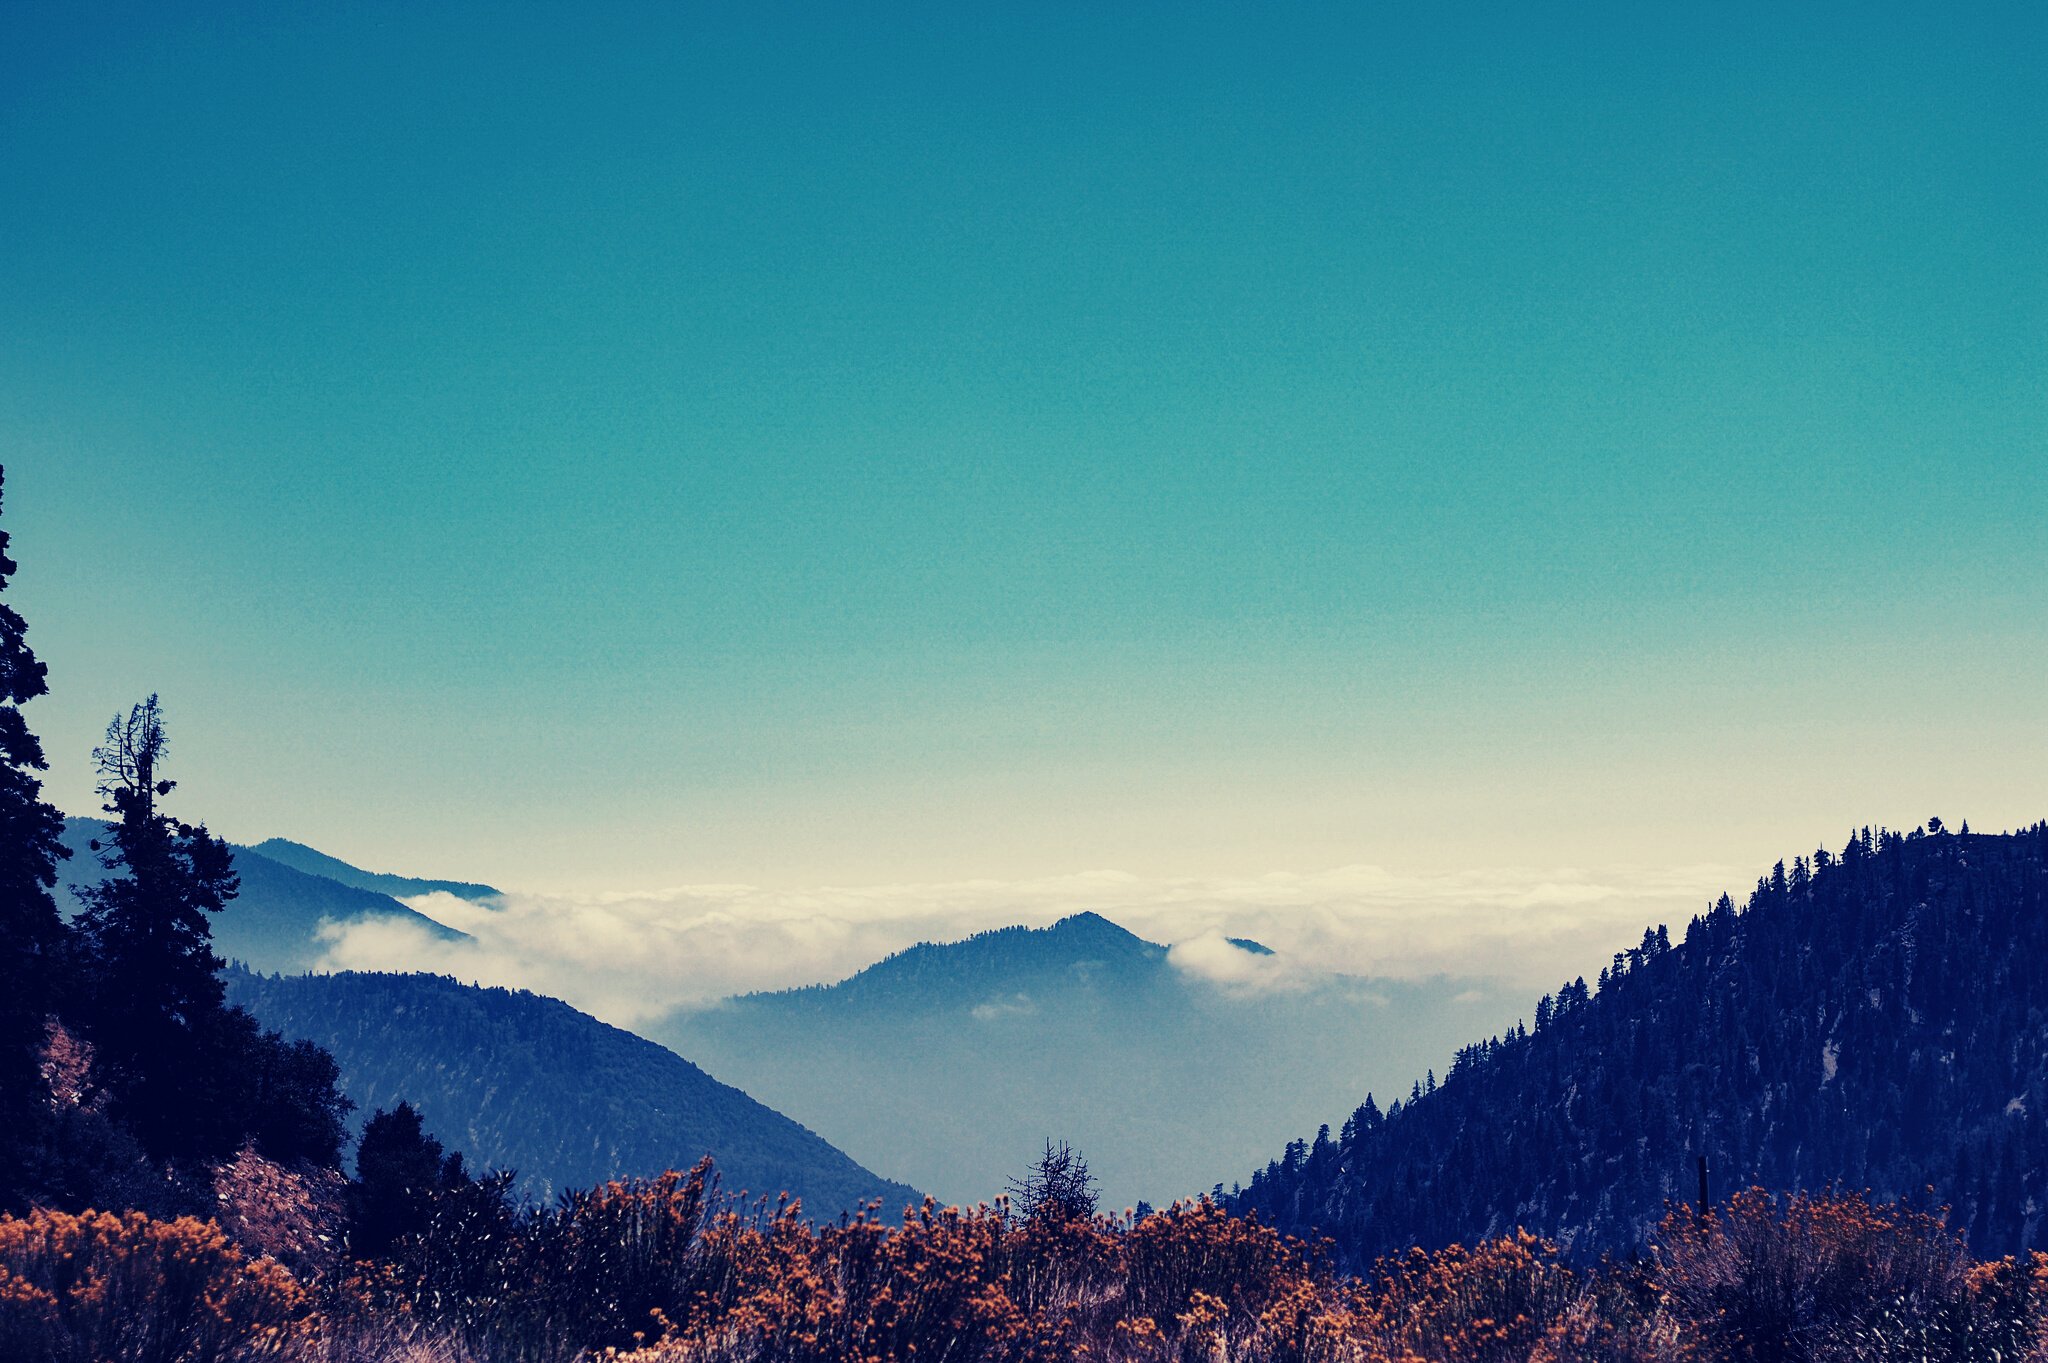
x,y
30,928
399,1171
155,1009
1058,1187
188,1076
283,1095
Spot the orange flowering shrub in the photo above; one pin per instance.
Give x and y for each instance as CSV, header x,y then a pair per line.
x,y
103,1286
1060,1271
1494,1304
977,1286
1194,1285
1197,1281
659,1271
934,1289
2006,1316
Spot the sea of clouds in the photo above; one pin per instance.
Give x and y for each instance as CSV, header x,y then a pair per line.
x,y
631,957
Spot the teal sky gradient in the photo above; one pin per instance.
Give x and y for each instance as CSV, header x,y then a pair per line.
x,y
867,442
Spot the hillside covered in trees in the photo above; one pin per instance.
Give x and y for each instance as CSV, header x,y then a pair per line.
x,y
520,1082
1872,1019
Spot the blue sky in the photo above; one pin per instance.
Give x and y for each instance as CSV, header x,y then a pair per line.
x,y
803,443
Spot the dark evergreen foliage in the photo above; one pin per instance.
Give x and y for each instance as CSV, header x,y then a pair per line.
x,y
30,929
289,1093
153,1007
399,1170
185,1074
188,1076
1877,1019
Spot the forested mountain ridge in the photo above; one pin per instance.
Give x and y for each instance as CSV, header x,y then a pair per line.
x,y
518,1081
1875,1019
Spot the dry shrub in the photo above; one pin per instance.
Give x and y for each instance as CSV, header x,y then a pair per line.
x,y
1497,1303
1198,1282
67,1069
381,1336
1832,1276
105,1287
779,1288
616,1264
296,1214
658,1272
608,1269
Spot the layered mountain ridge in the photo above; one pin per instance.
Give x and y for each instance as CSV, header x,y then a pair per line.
x,y
511,1079
312,861
276,921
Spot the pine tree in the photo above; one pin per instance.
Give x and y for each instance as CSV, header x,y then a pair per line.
x,y
399,1169
30,928
155,1010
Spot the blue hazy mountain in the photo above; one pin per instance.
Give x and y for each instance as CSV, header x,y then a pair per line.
x,y
312,861
274,924
947,1065
518,1081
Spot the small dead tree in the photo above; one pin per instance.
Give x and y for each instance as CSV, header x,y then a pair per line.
x,y
1057,1188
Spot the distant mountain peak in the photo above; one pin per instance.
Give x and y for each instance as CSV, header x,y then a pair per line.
x,y
313,861
1090,924
1083,949
1247,944
952,1062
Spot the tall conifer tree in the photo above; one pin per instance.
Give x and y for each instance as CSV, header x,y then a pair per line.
x,y
157,1014
30,928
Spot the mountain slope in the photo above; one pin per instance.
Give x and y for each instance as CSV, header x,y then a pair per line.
x,y
522,1082
274,923
948,1065
312,861
1877,1019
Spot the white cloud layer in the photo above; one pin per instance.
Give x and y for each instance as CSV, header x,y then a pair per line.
x,y
1222,962
629,958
